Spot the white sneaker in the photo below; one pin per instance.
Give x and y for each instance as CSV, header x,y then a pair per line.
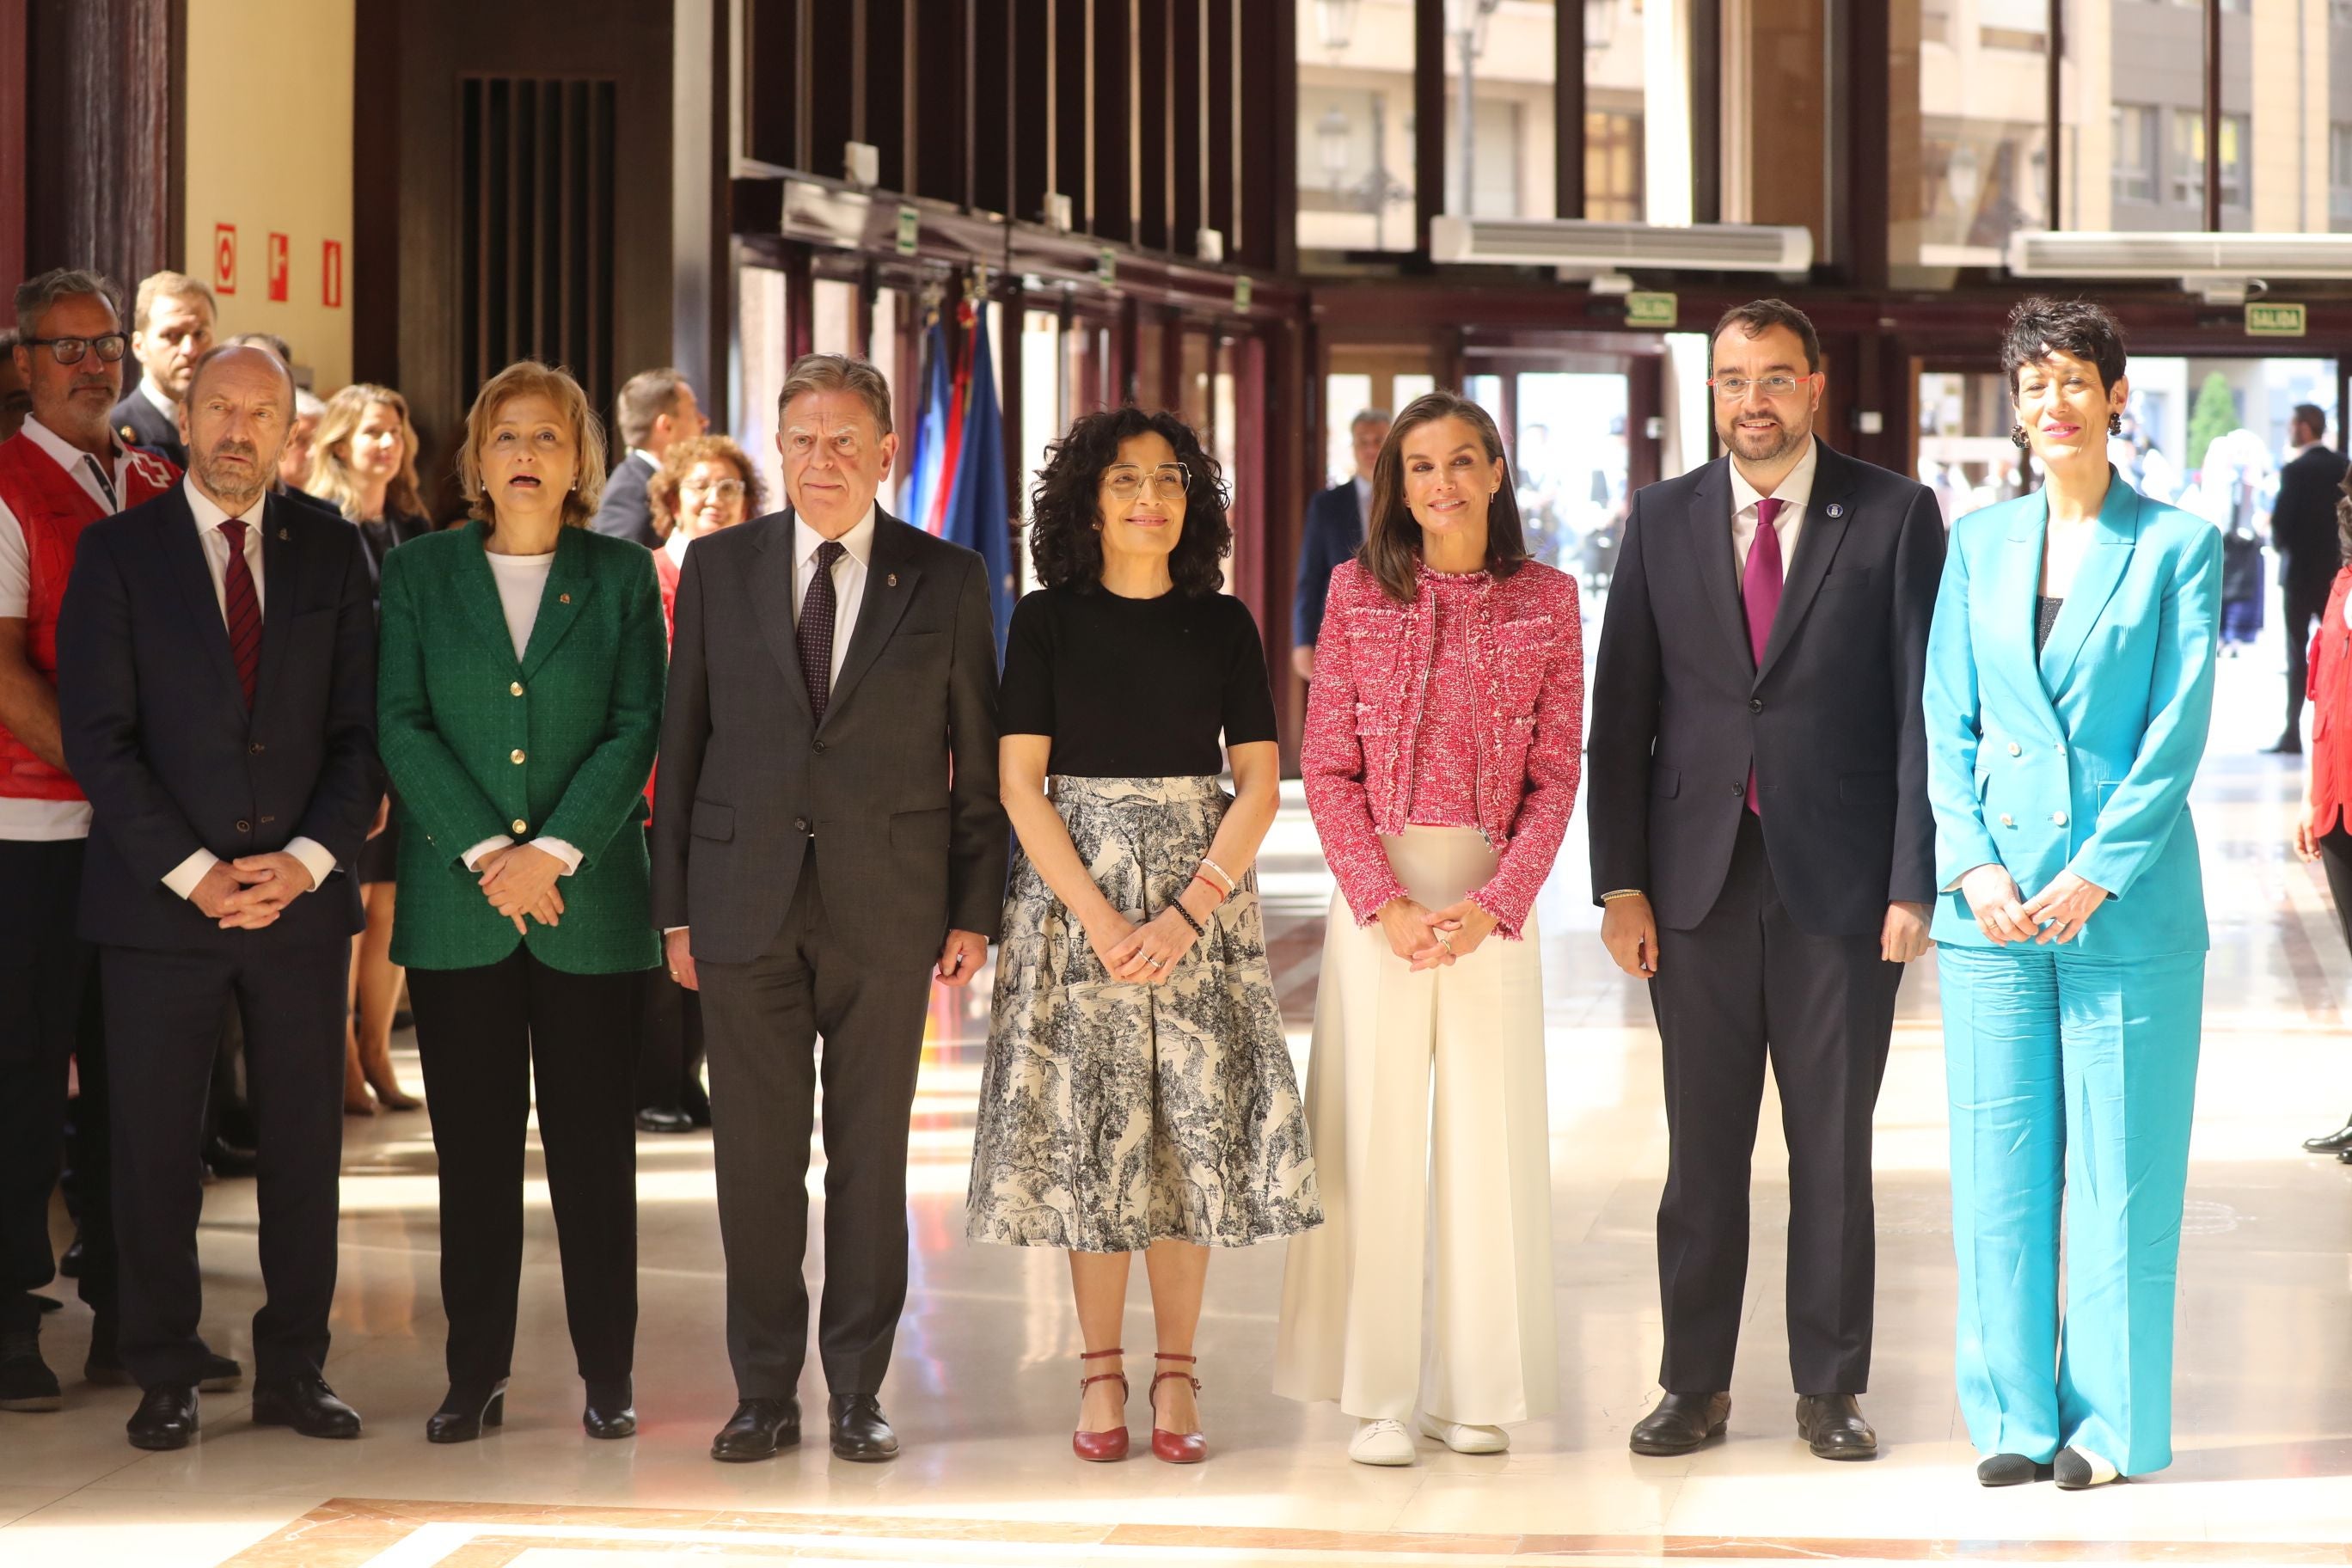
x,y
1464,1438
1381,1443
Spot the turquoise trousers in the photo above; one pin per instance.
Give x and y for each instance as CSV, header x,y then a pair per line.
x,y
2071,1078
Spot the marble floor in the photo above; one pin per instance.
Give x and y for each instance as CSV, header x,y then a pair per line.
x,y
981,1388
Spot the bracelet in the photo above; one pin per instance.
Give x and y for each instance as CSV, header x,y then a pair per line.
x,y
1223,893
1223,874
1198,929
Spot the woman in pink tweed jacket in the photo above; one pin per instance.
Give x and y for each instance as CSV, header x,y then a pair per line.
x,y
1443,731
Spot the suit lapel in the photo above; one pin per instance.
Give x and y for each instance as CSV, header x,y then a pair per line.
x,y
183,554
1817,542
890,578
281,565
775,606
2016,587
561,602
478,590
1719,567
2104,560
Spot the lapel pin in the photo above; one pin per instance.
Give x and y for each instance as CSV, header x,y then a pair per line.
x,y
285,534
892,580
562,598
1837,508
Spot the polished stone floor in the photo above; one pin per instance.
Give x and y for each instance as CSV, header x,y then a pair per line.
x,y
982,1387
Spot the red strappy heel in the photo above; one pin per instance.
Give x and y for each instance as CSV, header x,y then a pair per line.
x,y
1175,1448
1101,1447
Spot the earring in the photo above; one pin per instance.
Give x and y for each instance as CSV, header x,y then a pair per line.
x,y
2016,435
2115,422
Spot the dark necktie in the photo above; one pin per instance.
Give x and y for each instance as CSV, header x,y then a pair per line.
x,y
1760,590
814,632
242,606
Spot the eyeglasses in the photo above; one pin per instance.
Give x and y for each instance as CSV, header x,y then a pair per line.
x,y
68,351
1732,388
722,489
1126,481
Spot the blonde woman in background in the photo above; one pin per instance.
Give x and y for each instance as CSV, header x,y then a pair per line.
x,y
364,464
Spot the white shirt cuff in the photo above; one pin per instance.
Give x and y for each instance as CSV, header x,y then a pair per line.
x,y
316,858
501,842
182,877
666,930
561,851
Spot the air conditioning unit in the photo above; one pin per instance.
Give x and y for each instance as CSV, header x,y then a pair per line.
x,y
2042,254
1580,243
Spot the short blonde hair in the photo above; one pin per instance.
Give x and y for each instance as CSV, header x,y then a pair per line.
x,y
330,477
662,490
169,286
526,378
837,372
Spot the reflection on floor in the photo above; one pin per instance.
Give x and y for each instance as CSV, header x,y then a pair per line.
x,y
983,1389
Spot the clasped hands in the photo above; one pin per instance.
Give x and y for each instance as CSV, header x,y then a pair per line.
x,y
250,892
519,881
2057,913
1432,939
1148,954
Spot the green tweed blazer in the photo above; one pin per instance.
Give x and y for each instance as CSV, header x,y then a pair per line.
x,y
479,745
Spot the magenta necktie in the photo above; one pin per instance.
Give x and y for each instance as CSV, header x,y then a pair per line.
x,y
242,608
1759,591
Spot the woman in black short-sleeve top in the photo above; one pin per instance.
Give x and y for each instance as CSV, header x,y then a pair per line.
x,y
1139,1095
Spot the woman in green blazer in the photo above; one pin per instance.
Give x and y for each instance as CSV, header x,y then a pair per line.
x,y
520,701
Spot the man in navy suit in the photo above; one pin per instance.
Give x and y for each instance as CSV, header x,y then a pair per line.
x,y
1336,520
216,699
656,408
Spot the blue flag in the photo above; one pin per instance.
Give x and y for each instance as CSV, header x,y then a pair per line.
x,y
978,513
922,497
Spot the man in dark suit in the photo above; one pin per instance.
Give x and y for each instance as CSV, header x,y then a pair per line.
x,y
655,409
1763,849
1336,520
829,840
170,329
2302,527
217,698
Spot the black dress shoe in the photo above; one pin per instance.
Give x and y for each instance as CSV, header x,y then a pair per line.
x,y
465,1411
165,1419
611,1411
1832,1424
696,1102
2284,746
307,1405
859,1430
661,1118
758,1429
69,1266
2334,1143
2009,1470
25,1381
226,1160
47,1304
1681,1422
2344,1156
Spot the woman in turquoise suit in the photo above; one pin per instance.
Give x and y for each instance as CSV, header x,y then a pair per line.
x,y
2070,679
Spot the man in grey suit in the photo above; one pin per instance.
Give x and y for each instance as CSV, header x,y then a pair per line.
x,y
829,841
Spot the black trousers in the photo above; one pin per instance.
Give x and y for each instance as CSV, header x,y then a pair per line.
x,y
669,1066
762,1020
486,1037
1745,985
163,1012
2301,608
48,1014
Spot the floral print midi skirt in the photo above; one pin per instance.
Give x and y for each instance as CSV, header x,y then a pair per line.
x,y
1112,1113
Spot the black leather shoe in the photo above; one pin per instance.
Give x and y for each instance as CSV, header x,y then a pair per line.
x,y
167,1418
69,1266
758,1429
227,1161
696,1102
2009,1470
660,1118
25,1381
611,1411
859,1430
464,1414
2345,1156
1832,1424
2287,745
2334,1143
307,1405
1681,1422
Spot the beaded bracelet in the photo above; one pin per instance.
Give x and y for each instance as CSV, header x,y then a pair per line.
x,y
1198,929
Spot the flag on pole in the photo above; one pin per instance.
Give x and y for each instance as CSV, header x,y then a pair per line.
x,y
978,513
924,470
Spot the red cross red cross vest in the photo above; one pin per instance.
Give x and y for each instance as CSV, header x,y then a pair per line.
x,y
53,508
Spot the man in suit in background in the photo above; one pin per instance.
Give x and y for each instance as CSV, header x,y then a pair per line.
x,y
217,697
2302,527
654,409
1764,852
829,840
171,328
1336,520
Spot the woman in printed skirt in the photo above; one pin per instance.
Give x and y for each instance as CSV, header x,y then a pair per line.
x,y
1139,1095
1443,730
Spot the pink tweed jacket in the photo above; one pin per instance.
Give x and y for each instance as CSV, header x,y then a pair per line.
x,y
1364,720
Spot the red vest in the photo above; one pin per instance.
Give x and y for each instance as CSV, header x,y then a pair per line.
x,y
2330,690
53,508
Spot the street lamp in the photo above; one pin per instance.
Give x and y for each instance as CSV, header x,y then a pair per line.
x,y
1331,144
1467,20
1335,23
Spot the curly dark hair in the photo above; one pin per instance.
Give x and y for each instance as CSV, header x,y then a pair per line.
x,y
2040,326
1065,507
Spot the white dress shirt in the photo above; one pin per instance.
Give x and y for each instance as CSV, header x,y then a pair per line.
x,y
522,583
47,821
154,394
315,856
848,578
1794,493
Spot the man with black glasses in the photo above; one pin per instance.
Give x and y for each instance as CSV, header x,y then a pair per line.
x,y
63,471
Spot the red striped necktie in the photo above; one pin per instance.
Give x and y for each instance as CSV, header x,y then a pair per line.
x,y
242,606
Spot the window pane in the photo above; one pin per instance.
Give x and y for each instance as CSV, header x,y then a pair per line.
x,y
1570,460
1614,39
759,369
833,304
1042,409
1355,125
1345,395
1503,51
1981,168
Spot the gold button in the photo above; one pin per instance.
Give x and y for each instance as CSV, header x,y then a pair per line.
x,y
2006,820
515,756
519,826
515,686
2014,749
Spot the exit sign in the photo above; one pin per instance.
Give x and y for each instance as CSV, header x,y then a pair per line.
x,y
2273,320
1652,310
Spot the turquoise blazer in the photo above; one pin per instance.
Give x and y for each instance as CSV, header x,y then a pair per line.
x,y
2081,760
